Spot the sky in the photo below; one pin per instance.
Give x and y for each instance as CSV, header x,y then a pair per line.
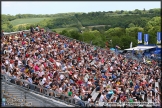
x,y
54,7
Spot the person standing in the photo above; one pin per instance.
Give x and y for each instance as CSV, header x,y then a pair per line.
x,y
2,34
31,30
37,28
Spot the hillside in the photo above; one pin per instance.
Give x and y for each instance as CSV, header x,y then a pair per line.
x,y
97,28
80,20
26,21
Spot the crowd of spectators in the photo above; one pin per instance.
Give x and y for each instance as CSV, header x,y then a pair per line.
x,y
75,69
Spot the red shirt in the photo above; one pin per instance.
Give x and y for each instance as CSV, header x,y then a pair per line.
x,y
79,82
45,65
90,57
11,61
79,59
51,60
27,55
54,66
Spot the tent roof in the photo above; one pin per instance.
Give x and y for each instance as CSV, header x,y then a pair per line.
x,y
140,48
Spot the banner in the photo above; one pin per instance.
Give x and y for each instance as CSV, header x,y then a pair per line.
x,y
158,37
146,36
131,45
139,37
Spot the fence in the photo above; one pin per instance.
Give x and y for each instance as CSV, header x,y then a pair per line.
x,y
57,96
43,91
13,33
14,101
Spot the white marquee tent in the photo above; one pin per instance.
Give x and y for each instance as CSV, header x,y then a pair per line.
x,y
140,48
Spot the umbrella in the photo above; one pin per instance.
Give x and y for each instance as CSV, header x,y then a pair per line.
x,y
112,49
157,52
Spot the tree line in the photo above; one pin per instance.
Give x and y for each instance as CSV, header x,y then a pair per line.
x,y
98,27
118,35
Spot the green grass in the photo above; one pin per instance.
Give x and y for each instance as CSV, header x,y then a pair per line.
x,y
27,21
115,14
58,30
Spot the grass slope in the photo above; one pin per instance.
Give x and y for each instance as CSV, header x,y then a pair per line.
x,y
58,30
26,21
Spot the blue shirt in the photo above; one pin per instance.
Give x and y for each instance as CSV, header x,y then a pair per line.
x,y
65,45
32,39
113,76
30,80
111,92
104,76
136,87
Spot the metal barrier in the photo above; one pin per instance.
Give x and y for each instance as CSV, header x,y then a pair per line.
x,y
12,33
44,91
22,101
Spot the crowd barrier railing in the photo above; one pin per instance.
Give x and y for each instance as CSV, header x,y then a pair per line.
x,y
44,91
21,101
13,33
55,95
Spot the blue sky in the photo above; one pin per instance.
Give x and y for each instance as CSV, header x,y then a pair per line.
x,y
53,7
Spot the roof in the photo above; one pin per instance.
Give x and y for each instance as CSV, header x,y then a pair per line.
x,y
141,48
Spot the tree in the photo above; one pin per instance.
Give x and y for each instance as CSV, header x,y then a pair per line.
x,y
116,41
133,31
154,22
65,33
74,35
136,11
7,27
131,25
144,9
152,27
117,31
126,40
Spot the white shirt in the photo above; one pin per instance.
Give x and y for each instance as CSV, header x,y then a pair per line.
x,y
150,80
8,73
156,91
19,62
76,97
89,82
89,100
75,75
58,64
62,76
60,89
144,60
111,68
64,68
41,73
86,77
7,62
43,80
11,66
101,98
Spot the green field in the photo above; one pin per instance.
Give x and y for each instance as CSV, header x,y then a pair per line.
x,y
58,30
27,21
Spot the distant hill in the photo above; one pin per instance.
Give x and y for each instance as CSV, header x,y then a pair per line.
x,y
79,21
